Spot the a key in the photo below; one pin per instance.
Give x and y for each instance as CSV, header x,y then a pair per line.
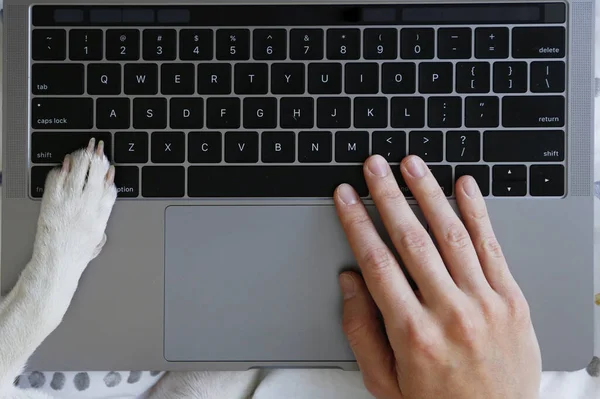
x,y
443,175
297,113
150,113
49,44
436,77
315,147
417,44
113,113
127,181
429,145
214,78
333,112
160,44
223,113
86,44
547,180
141,79
509,173
205,147
241,147
52,79
454,43
168,147
538,42
380,44
233,44
351,146
481,174
362,78
399,78
491,43
288,79
104,79
548,77
186,113
38,180
177,79
463,146
408,112
251,78
131,147
307,44
163,181
260,113
510,77
343,44
52,147
370,112
62,113
533,111
444,112
389,144
269,44
472,77
278,147
122,44
482,112
196,44
325,78
524,146
509,188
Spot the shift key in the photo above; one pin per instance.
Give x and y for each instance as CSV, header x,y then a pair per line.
x,y
62,113
51,147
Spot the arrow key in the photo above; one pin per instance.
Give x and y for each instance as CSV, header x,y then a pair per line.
x,y
390,145
509,188
510,173
547,180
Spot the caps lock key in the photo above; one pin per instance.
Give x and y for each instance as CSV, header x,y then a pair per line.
x,y
62,113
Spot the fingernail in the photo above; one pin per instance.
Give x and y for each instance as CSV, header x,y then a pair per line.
x,y
378,166
347,286
66,163
347,195
416,167
471,188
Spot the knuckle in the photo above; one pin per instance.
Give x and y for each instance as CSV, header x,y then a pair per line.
x,y
355,329
356,221
423,341
434,192
477,214
379,262
415,240
464,326
518,308
491,246
376,385
390,193
456,236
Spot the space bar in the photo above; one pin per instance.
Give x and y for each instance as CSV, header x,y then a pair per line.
x,y
272,181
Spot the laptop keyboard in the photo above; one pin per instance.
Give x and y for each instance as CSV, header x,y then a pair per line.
x,y
289,101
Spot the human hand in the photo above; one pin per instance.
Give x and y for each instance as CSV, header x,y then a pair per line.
x,y
467,332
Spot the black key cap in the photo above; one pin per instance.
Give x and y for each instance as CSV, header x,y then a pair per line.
x,y
351,146
38,180
509,173
510,77
260,113
49,44
538,42
463,146
380,44
443,175
251,78
113,113
314,147
177,79
187,113
150,113
223,113
473,77
454,43
273,182
481,174
482,112
333,112
57,79
122,44
168,147
306,44
362,78
278,147
417,44
444,112
370,112
52,147
297,113
390,144
548,77
214,78
104,79
533,111
491,43
205,147
160,44
408,112
233,44
196,44
86,44
62,113
524,146
325,78
288,79
141,79
435,77
131,147
127,180
399,78
547,180
269,44
241,147
509,188
429,145
343,44
163,181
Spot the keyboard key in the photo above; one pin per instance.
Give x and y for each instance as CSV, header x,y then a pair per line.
x,y
141,79
163,181
297,113
444,112
380,44
343,44
62,113
214,78
443,175
408,112
306,44
86,44
38,180
509,188
57,79
260,113
122,44
548,77
435,77
127,180
510,77
429,145
454,43
131,147
160,44
233,44
278,147
49,45
390,144
509,173
370,112
533,111
481,174
472,77
399,78
241,147
52,147
547,180
463,146
538,42
273,182
104,79
196,44
251,78
524,146
168,147
333,112
325,78
269,44
150,113
186,113
351,146
177,79
417,44
113,113
362,78
482,112
204,147
288,79
315,147
491,43
223,113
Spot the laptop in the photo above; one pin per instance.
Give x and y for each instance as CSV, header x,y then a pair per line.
x,y
231,123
